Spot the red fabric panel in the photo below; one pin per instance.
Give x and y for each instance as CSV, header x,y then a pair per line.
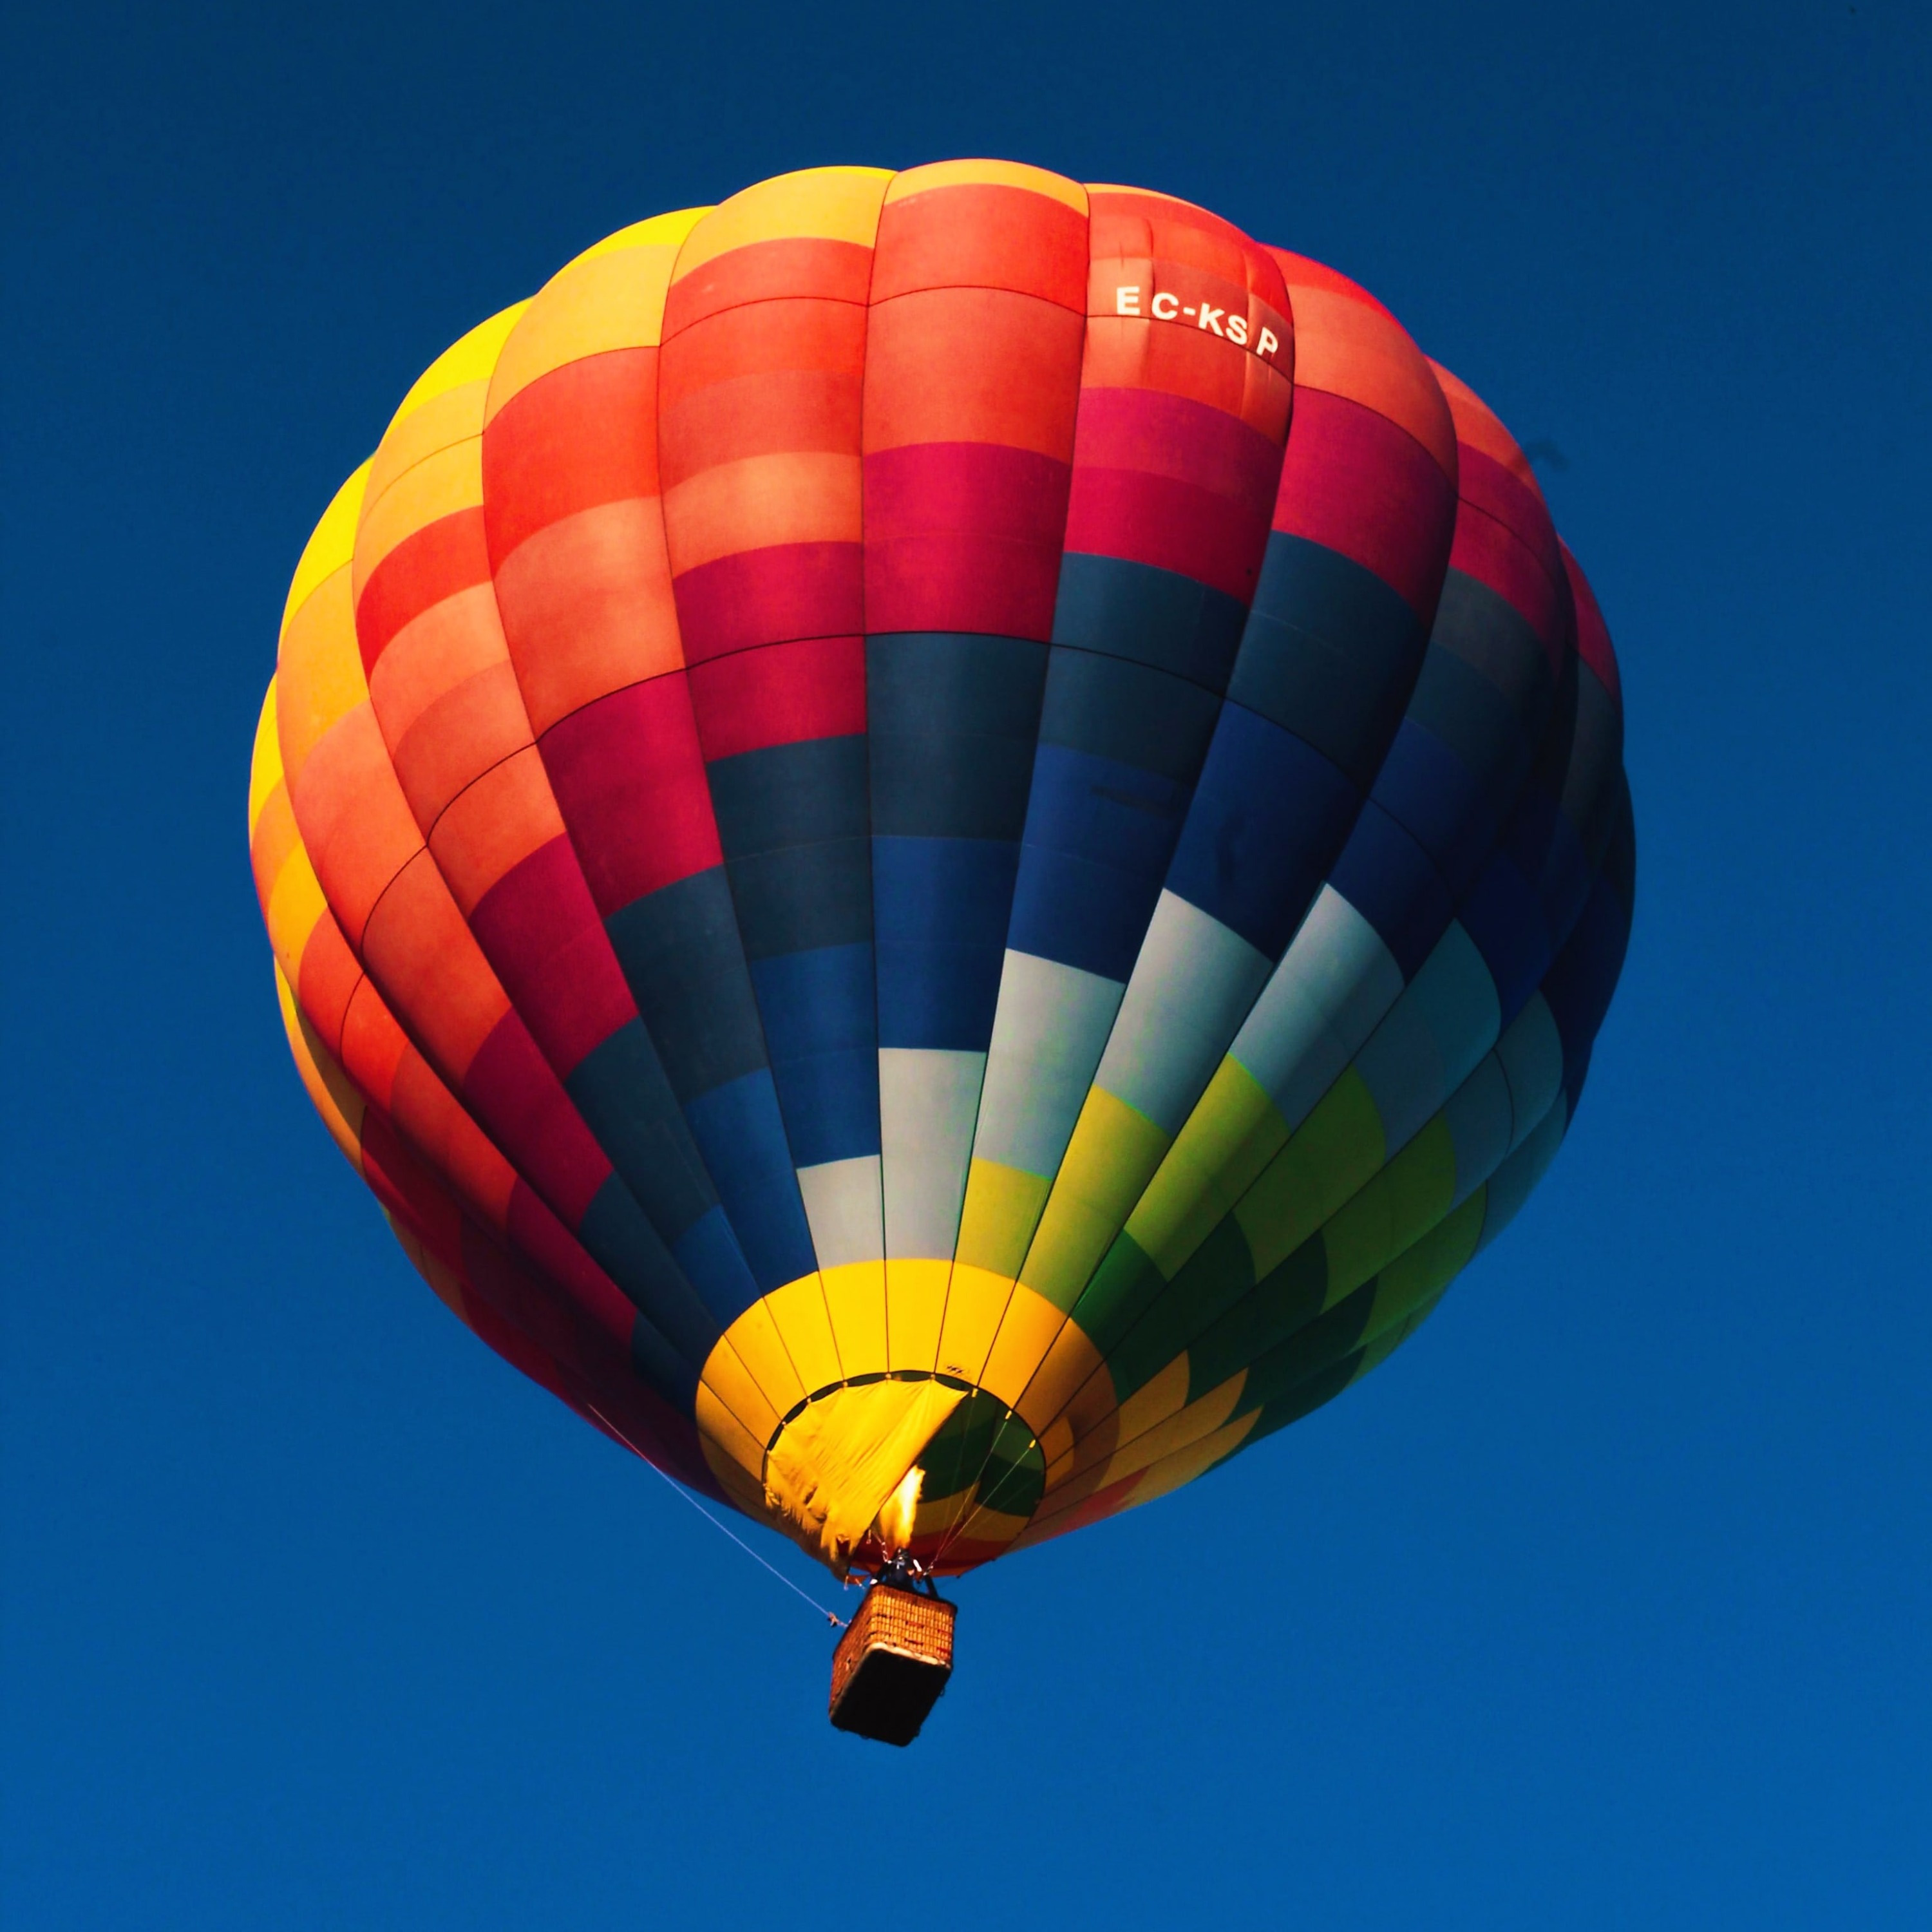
x,y
982,236
1354,482
581,436
779,694
629,779
765,596
1593,634
1494,555
540,928
329,976
806,265
521,1105
432,563
963,536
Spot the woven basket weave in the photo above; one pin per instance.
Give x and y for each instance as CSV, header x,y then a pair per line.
x,y
891,1664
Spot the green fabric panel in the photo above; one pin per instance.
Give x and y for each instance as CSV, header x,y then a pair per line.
x,y
1421,1274
1282,1301
1219,1275
1125,1285
1397,1208
1320,1344
1233,1133
1114,1150
1338,1151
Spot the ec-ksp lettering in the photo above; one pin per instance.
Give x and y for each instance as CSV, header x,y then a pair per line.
x,y
1166,306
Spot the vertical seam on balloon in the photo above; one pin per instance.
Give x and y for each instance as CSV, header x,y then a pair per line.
x,y
956,1529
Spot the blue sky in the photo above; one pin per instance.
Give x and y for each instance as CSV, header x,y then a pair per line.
x,y
1604,1602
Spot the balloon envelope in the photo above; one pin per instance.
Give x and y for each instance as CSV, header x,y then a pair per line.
x,y
942,822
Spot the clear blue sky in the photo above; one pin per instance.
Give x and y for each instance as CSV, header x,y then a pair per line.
x,y
1604,1604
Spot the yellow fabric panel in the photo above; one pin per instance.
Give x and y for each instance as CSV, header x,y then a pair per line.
x,y
756,1342
799,1312
331,544
989,174
455,416
976,1303
1233,1133
825,204
1003,1208
1393,1212
915,1307
265,764
1114,1150
294,906
737,1391
836,1464
855,1298
330,1091
735,1459
1174,1471
1338,1150
1058,1441
611,297
1150,1404
1184,1428
319,678
1069,1378
438,487
469,358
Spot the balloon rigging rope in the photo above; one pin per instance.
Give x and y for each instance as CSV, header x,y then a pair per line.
x,y
677,1489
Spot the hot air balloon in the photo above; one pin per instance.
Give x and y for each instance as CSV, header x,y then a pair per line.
x,y
944,841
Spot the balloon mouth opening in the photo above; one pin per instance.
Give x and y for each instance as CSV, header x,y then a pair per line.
x,y
885,1471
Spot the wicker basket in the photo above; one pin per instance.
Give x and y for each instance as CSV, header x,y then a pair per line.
x,y
892,1664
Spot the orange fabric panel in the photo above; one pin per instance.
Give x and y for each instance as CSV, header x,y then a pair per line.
x,y
319,675
467,731
431,970
986,235
372,1046
329,975
972,365
810,496
504,817
355,821
587,608
1479,426
425,1110
762,412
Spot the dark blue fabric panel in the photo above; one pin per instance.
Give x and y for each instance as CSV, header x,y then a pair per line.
x,y
817,1009
1153,616
1504,916
1388,879
793,821
942,908
715,1265
1579,985
1099,835
952,718
620,1088
741,1134
681,953
1268,817
1485,630
1451,811
663,1367
1455,703
1331,652
617,1236
1110,708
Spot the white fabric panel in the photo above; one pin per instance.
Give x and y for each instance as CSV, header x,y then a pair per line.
x,y
1333,984
927,1101
1479,1118
1433,1037
1531,1052
1049,1030
842,1207
1193,984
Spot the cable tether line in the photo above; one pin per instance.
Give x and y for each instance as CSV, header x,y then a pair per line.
x,y
678,1489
